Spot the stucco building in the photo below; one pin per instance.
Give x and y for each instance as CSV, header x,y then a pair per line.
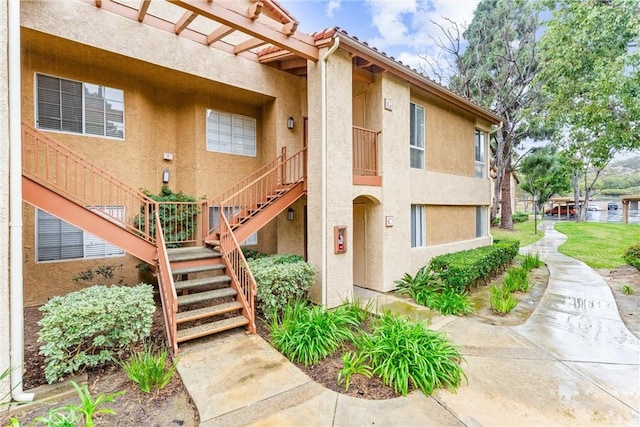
x,y
380,168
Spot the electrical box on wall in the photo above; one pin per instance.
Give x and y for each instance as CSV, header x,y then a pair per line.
x,y
340,239
168,156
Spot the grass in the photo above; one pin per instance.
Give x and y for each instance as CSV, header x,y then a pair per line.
x,y
517,279
501,300
148,369
599,245
523,231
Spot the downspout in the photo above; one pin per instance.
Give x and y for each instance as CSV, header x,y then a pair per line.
x,y
323,97
15,206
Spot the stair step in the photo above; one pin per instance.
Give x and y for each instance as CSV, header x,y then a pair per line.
x,y
211,328
187,316
199,269
187,254
205,296
202,281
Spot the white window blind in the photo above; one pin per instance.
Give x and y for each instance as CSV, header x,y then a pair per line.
x,y
231,133
480,150
214,222
58,240
481,221
418,235
416,136
70,106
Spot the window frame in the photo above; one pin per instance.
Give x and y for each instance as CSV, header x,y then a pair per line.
x,y
232,136
481,222
418,224
416,134
480,153
82,122
214,212
87,239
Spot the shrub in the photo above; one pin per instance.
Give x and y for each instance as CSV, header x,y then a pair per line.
x,y
403,354
251,253
308,334
459,270
148,369
91,326
281,279
450,302
531,261
520,217
517,279
501,300
627,290
353,363
632,256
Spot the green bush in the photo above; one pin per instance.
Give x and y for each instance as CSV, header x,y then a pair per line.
x,y
308,334
531,261
251,253
91,326
404,354
501,300
459,270
517,279
520,217
149,369
632,256
280,279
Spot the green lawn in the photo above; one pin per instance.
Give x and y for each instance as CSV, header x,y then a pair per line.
x,y
522,231
599,245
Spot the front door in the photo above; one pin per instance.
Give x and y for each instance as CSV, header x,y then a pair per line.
x,y
359,245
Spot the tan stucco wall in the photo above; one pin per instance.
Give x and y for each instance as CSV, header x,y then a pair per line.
x,y
168,84
339,176
460,224
4,201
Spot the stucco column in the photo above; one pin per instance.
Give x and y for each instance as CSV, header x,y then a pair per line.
x,y
4,201
339,169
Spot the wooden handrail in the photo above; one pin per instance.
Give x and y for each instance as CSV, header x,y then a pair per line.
x,y
237,268
167,288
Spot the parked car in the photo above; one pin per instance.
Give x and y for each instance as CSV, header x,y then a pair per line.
x,y
563,210
592,207
612,206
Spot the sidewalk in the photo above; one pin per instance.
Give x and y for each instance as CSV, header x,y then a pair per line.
x,y
572,363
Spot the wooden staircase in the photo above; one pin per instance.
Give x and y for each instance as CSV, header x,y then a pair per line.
x,y
207,303
207,286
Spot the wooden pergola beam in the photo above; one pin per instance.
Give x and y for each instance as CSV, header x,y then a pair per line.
x,y
298,43
144,6
248,45
219,33
184,21
293,63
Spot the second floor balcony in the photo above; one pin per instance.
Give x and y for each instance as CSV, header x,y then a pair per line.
x,y
366,167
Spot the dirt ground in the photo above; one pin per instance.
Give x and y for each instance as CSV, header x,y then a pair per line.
x,y
173,406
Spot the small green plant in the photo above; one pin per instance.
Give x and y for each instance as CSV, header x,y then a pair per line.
x,y
517,279
627,290
149,369
520,217
423,278
280,278
501,300
353,364
91,326
632,256
405,354
308,334
58,417
450,302
89,406
531,261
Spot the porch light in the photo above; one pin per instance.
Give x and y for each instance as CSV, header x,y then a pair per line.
x,y
290,123
290,214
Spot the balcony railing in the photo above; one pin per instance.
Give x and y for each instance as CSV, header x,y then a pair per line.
x,y
365,157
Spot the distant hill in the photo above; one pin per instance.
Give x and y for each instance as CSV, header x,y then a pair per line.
x,y
619,178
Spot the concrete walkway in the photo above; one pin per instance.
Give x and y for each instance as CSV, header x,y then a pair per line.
x,y
572,363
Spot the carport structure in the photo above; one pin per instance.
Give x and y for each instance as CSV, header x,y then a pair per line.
x,y
566,202
629,202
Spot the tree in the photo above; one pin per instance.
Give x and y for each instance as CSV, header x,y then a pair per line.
x,y
544,174
591,80
496,70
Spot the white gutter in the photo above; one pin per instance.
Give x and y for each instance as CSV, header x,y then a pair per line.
x,y
15,205
323,97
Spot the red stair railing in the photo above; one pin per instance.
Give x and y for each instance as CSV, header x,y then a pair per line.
x,y
167,288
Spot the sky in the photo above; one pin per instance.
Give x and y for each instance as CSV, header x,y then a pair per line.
x,y
400,28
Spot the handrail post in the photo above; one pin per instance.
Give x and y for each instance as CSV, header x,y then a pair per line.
x,y
284,166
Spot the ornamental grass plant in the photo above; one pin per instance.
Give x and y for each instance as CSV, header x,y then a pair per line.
x,y
149,369
501,299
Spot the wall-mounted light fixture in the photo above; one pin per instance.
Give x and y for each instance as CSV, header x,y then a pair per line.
x,y
165,176
290,123
290,214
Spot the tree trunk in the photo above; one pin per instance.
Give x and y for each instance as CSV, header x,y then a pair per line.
x,y
506,217
575,181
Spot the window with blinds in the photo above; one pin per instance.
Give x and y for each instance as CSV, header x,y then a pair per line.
x,y
214,222
58,240
84,108
418,235
480,150
231,133
416,136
